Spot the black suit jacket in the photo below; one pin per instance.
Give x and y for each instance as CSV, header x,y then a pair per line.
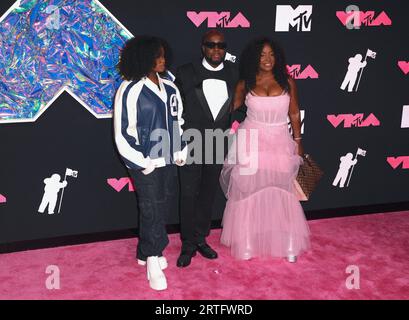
x,y
196,111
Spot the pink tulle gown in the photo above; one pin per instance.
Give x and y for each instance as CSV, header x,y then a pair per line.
x,y
263,216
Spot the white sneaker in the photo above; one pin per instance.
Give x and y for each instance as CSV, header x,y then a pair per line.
x,y
292,258
162,262
157,279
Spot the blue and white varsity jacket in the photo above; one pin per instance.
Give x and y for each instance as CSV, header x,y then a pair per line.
x,y
140,109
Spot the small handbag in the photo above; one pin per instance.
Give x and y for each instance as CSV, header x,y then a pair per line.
x,y
307,179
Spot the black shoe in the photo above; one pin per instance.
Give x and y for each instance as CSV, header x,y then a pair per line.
x,y
185,258
205,250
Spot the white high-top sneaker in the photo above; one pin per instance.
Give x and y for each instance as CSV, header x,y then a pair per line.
x,y
162,262
156,277
292,258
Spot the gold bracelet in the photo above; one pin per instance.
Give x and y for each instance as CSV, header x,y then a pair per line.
x,y
297,138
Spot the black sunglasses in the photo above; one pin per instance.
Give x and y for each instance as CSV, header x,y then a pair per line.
x,y
212,45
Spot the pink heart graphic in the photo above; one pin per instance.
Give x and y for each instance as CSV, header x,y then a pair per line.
x,y
404,66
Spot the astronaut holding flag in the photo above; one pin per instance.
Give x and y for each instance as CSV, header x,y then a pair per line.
x,y
51,189
346,167
356,66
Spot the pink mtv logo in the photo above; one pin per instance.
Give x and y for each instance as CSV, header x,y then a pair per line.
x,y
2,199
215,19
404,66
366,18
296,73
119,184
353,120
397,161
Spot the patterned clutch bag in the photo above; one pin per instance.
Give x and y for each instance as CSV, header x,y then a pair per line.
x,y
308,176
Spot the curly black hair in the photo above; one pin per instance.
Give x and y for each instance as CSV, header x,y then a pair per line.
x,y
250,61
138,56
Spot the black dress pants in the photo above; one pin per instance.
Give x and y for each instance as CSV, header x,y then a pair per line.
x,y
198,186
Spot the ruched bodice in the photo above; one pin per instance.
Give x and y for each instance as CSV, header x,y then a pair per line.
x,y
271,110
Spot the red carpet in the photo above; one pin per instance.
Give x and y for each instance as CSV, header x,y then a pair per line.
x,y
378,244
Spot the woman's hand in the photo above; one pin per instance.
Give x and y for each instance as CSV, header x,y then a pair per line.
x,y
300,148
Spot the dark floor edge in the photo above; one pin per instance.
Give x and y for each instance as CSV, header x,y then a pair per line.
x,y
174,228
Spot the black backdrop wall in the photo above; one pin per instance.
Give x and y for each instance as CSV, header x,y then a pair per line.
x,y
371,122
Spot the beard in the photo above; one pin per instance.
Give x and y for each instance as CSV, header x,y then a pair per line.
x,y
215,61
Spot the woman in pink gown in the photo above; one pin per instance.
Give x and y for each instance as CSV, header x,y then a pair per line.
x,y
263,216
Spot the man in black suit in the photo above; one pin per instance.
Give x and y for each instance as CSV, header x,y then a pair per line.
x,y
207,88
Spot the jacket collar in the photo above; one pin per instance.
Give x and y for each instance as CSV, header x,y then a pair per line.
x,y
210,68
153,87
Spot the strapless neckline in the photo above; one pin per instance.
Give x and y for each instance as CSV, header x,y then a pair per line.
x,y
253,94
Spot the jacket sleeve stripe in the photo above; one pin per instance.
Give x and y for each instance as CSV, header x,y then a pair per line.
x,y
125,125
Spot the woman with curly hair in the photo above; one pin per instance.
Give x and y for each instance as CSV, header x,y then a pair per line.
x,y
263,216
148,134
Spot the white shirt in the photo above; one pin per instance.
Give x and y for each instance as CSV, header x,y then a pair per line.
x,y
215,90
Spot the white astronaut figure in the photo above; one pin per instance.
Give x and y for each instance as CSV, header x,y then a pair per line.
x,y
346,163
51,189
355,64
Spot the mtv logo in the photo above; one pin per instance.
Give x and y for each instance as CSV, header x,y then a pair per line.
x,y
216,19
405,117
302,113
366,18
299,18
296,73
353,120
230,57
